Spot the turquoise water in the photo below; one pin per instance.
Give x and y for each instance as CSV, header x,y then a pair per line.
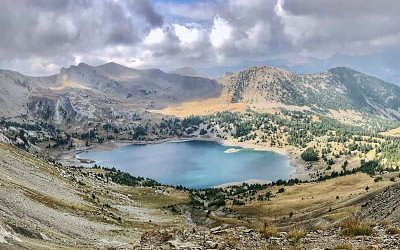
x,y
195,164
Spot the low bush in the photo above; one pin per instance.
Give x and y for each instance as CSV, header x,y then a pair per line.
x,y
269,231
296,234
355,227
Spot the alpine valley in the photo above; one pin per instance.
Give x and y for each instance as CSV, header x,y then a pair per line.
x,y
339,129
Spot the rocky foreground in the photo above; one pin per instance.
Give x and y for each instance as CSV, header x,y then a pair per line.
x,y
233,237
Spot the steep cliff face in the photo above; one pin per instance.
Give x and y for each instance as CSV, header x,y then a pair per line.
x,y
338,88
13,93
64,111
57,110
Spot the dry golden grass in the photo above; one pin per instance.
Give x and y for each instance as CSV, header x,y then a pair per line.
x,y
203,107
274,107
355,227
269,231
66,83
296,234
54,202
393,230
313,199
223,103
340,215
148,198
392,132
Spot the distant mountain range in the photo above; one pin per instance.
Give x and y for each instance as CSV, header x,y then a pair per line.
x,y
112,91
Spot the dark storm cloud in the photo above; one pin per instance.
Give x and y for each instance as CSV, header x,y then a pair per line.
x,y
143,7
338,8
58,28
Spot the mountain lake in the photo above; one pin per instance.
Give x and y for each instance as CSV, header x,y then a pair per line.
x,y
194,164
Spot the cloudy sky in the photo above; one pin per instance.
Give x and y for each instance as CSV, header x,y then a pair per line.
x,y
40,36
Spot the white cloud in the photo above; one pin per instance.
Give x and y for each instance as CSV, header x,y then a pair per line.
x,y
155,36
187,35
221,32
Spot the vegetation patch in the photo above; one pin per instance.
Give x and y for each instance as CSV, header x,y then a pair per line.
x,y
269,231
296,234
355,227
393,230
310,155
127,179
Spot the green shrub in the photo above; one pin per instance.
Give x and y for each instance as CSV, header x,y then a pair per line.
x,y
309,155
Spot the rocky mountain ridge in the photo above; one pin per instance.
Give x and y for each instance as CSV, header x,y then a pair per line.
x,y
337,88
97,92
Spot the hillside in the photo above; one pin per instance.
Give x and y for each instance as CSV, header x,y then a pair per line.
x,y
47,206
335,89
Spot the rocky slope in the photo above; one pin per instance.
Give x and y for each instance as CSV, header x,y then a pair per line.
x,y
15,91
384,206
47,206
337,88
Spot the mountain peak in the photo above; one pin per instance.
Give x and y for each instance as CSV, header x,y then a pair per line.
x,y
263,72
342,69
266,68
109,65
83,65
112,65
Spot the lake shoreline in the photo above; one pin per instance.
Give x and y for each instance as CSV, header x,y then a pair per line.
x,y
299,171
